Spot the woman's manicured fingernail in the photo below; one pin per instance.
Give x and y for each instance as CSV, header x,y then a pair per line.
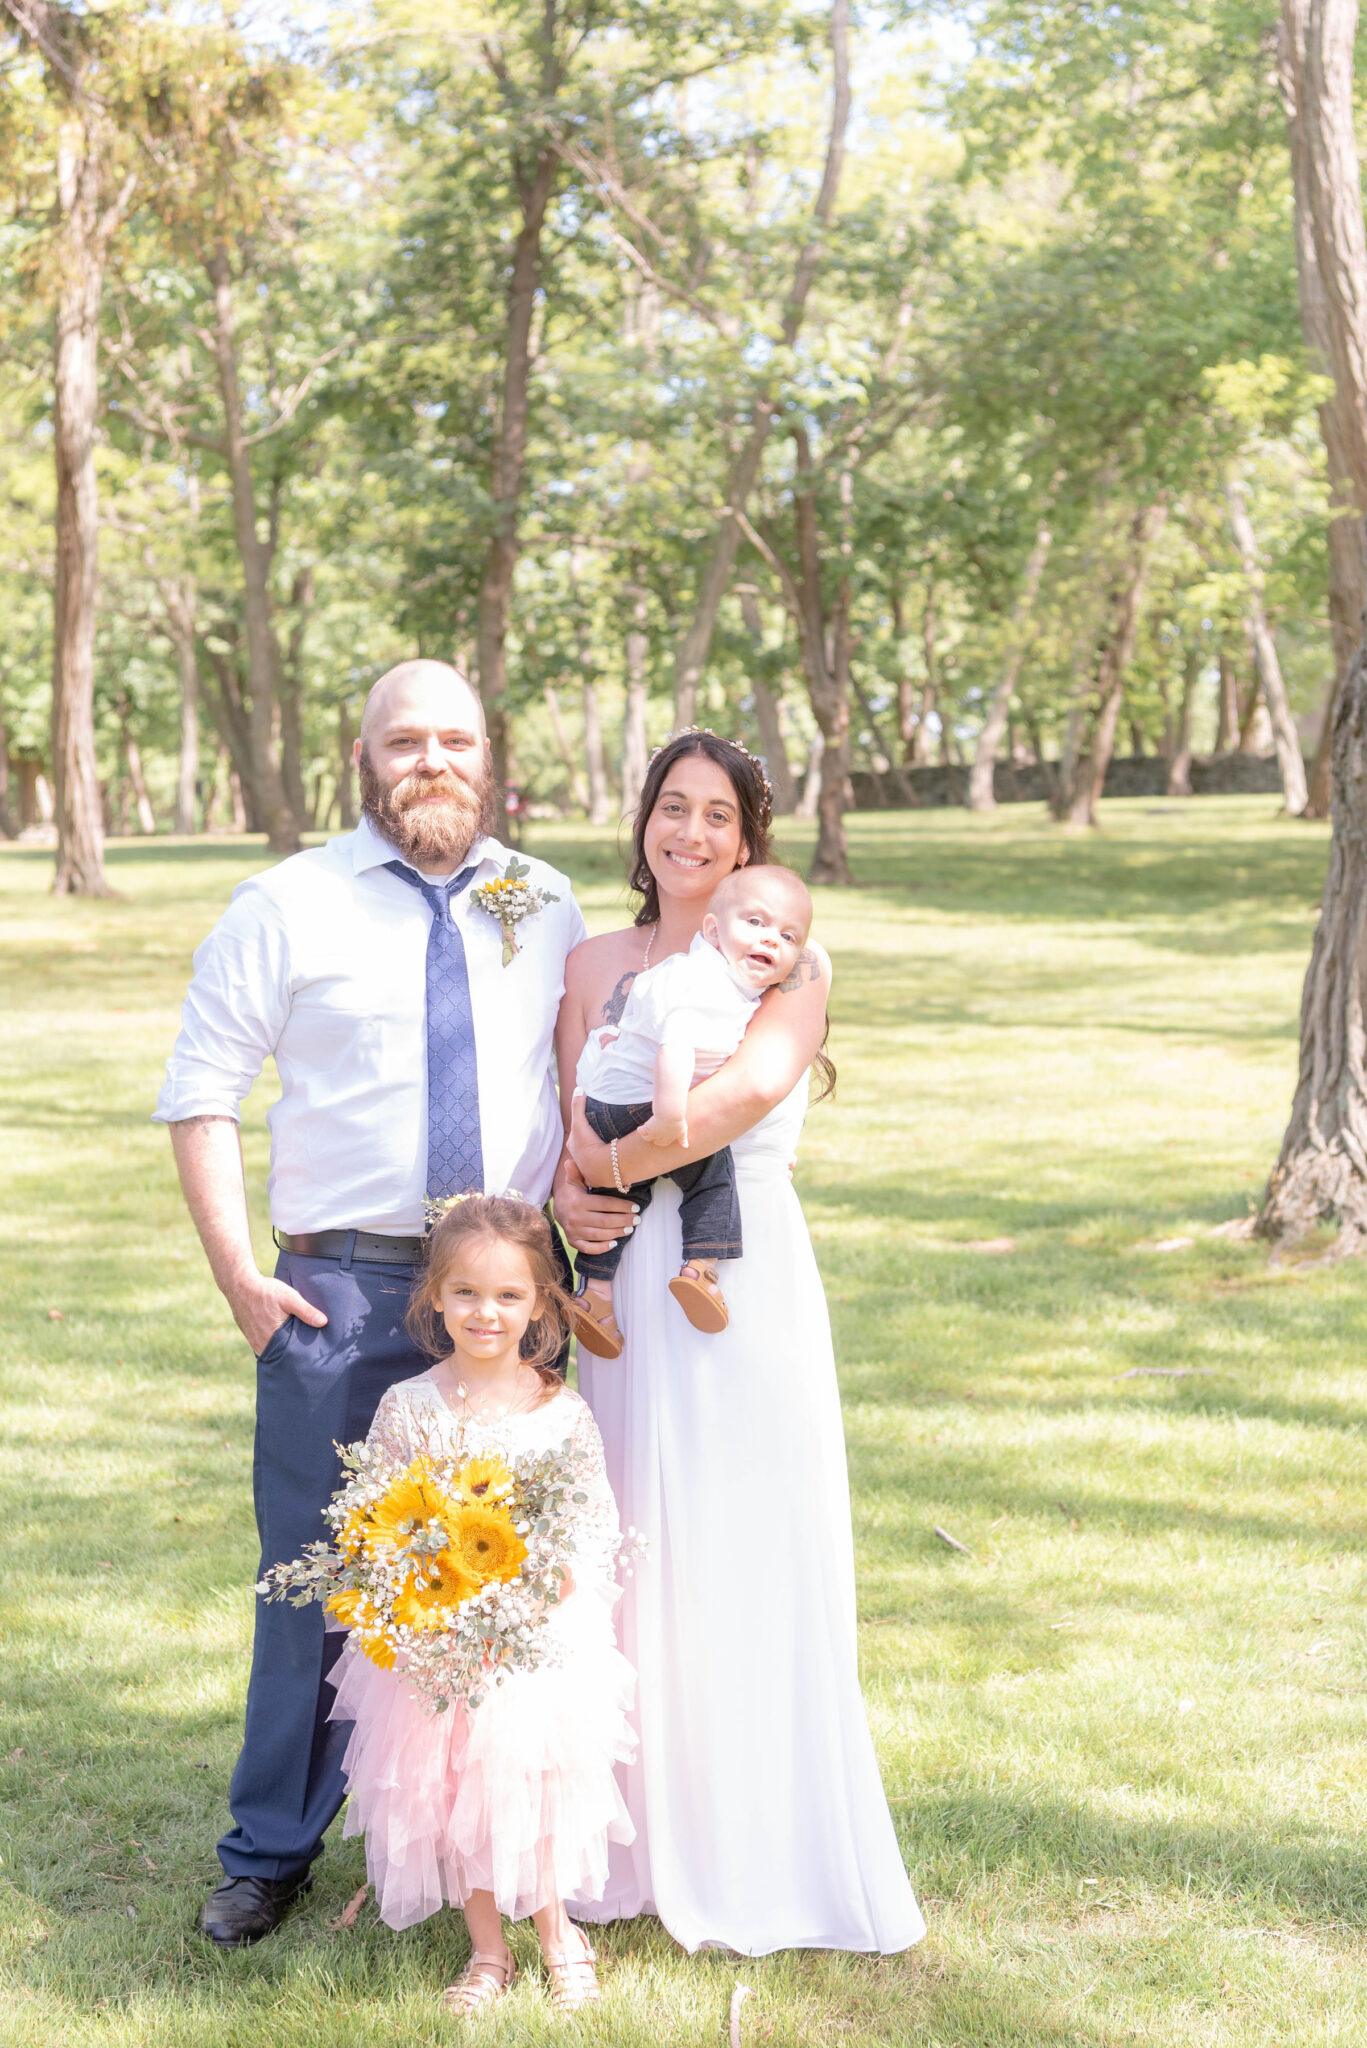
x,y
613,1246
635,1208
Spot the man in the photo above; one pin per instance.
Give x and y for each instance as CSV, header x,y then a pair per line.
x,y
413,1065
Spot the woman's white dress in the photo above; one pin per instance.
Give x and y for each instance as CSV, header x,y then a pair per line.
x,y
760,1818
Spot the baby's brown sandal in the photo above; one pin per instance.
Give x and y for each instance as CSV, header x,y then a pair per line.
x,y
698,1293
595,1325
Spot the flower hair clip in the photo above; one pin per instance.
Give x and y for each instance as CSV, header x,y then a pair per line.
x,y
436,1206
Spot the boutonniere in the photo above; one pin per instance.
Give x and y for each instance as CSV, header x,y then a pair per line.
x,y
510,900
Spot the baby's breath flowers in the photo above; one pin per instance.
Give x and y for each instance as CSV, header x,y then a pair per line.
x,y
444,1565
511,900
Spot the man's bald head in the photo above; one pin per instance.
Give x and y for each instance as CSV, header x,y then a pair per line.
x,y
423,758
434,691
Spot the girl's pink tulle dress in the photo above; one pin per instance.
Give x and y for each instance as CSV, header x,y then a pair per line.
x,y
518,1797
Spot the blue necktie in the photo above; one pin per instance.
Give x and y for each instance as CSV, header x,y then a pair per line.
x,y
455,1153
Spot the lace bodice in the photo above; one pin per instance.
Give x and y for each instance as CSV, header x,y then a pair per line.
x,y
415,1416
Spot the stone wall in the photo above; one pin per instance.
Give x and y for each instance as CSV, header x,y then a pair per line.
x,y
904,789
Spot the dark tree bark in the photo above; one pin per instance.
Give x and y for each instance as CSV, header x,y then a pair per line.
x,y
1114,660
980,791
263,658
692,649
1321,1175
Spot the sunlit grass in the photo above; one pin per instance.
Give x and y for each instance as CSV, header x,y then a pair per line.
x,y
1122,1739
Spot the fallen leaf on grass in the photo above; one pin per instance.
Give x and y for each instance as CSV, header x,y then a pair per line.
x,y
15,1755
952,1541
1239,1228
351,1911
988,1244
56,1315
1167,1244
738,1998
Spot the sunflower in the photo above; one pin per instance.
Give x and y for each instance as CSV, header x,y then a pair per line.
x,y
484,1543
437,1586
412,1501
347,1605
353,1538
380,1651
484,1481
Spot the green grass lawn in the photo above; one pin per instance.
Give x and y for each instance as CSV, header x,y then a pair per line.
x,y
1123,1740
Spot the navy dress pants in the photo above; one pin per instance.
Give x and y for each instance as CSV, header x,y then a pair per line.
x,y
313,1387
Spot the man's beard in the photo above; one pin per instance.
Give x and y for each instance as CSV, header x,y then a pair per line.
x,y
430,835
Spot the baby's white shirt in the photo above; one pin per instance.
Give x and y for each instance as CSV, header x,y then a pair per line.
x,y
690,999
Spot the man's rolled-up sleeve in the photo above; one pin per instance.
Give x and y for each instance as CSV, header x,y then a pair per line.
x,y
235,1010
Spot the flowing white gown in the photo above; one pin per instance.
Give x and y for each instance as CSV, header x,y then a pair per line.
x,y
760,1818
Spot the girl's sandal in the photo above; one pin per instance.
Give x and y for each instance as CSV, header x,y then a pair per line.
x,y
483,1981
574,1981
698,1293
595,1325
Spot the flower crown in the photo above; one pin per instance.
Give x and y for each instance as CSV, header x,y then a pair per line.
x,y
767,801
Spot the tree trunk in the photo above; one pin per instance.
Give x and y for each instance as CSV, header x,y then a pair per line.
x,y
1227,730
635,749
919,754
346,769
906,688
600,795
8,827
767,713
1179,759
692,649
1284,736
811,781
1321,1174
230,717
1347,568
292,696
80,850
508,460
578,788
1115,660
132,755
980,792
263,661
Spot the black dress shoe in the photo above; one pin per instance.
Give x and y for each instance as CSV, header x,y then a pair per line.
x,y
242,1910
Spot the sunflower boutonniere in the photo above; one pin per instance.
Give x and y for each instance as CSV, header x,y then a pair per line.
x,y
510,900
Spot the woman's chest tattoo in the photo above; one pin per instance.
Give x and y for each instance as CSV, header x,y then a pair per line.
x,y
612,1009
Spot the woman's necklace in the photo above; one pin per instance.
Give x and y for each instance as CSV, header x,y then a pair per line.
x,y
649,943
515,1405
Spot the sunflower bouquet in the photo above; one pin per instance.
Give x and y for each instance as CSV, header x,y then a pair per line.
x,y
446,1565
510,899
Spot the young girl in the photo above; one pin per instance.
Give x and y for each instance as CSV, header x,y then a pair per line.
x,y
507,1808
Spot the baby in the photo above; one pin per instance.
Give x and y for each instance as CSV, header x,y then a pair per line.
x,y
683,1020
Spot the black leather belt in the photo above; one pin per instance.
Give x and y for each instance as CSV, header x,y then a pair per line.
x,y
366,1245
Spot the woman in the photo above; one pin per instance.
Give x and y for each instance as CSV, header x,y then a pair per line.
x,y
760,1819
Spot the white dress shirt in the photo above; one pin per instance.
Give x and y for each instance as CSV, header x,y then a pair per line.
x,y
321,962
690,999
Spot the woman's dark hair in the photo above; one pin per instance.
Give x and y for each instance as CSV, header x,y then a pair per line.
x,y
746,776
497,1217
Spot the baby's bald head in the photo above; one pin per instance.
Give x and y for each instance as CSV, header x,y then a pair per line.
x,y
758,920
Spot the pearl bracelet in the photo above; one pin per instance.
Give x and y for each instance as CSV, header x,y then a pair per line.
x,y
617,1180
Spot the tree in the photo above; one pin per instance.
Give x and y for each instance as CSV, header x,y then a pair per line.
x,y
1321,1173
93,189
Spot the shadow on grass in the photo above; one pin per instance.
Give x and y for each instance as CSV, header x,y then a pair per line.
x,y
951,1835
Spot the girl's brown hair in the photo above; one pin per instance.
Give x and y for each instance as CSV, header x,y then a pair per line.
x,y
746,776
504,1218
